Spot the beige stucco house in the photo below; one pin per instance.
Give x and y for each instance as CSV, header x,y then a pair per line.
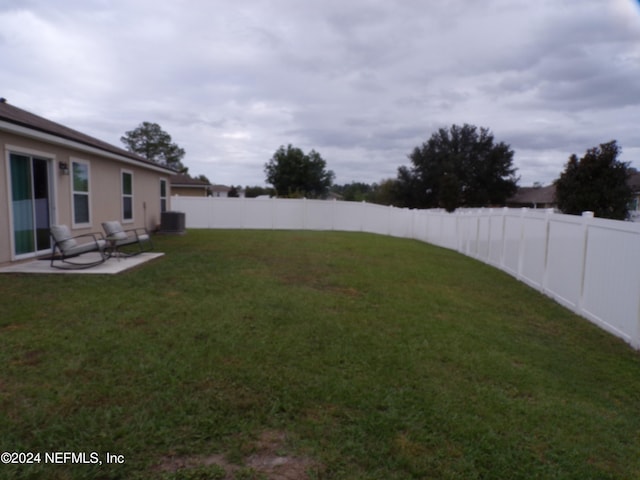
x,y
185,186
51,174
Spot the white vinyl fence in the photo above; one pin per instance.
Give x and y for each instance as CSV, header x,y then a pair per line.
x,y
589,265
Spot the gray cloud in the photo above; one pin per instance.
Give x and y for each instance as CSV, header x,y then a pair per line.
x,y
362,82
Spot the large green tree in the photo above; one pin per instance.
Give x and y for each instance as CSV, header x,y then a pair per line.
x,y
296,174
256,191
385,192
596,182
153,143
458,167
354,191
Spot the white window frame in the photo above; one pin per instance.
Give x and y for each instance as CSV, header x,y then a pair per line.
x,y
74,193
166,194
127,195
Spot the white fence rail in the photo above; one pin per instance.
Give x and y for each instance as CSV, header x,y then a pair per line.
x,y
590,265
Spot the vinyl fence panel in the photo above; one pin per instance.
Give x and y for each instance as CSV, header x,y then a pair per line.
x,y
512,242
533,251
566,259
611,294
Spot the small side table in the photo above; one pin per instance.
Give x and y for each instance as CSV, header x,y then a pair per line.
x,y
112,246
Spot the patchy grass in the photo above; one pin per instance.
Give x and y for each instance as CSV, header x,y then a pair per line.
x,y
275,355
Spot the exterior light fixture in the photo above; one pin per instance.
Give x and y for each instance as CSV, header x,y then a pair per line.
x,y
64,168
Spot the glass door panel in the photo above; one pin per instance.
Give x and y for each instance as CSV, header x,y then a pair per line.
x,y
30,203
22,204
41,200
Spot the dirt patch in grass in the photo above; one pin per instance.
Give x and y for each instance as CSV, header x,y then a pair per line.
x,y
30,358
268,460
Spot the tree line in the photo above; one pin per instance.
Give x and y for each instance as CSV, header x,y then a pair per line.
x,y
460,166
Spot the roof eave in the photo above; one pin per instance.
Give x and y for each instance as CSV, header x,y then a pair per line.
x,y
56,140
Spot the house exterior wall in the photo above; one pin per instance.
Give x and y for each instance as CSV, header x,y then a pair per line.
x,y
105,188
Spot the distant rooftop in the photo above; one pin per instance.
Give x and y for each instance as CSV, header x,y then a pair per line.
x,y
534,195
182,180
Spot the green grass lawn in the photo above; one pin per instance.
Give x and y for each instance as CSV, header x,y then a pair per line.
x,y
244,354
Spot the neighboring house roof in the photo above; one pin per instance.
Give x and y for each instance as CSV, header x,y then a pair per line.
x,y
545,196
534,196
185,181
21,122
220,188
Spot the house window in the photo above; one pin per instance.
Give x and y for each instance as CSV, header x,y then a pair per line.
x,y
127,196
80,187
163,195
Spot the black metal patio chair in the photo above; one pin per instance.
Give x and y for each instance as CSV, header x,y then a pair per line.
x,y
118,237
67,246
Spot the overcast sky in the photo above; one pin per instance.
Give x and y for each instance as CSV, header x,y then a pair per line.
x,y
363,82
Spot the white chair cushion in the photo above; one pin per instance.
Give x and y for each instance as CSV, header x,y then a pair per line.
x,y
87,247
114,230
62,236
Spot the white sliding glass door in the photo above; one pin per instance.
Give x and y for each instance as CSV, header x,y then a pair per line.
x,y
30,203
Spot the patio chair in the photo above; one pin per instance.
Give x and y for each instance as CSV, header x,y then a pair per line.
x,y
117,237
70,246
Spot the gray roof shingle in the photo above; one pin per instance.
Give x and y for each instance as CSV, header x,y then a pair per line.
x,y
17,116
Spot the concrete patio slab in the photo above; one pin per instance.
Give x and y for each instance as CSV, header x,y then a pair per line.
x,y
110,267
